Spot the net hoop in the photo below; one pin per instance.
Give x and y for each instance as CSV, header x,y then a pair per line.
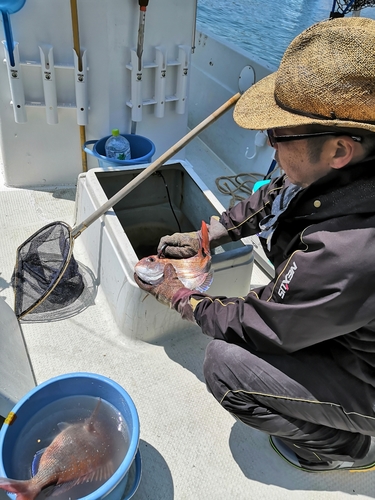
x,y
50,289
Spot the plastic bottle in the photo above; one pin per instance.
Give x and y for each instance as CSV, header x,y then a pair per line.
x,y
117,146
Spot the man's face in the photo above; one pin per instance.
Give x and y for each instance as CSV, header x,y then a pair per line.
x,y
295,158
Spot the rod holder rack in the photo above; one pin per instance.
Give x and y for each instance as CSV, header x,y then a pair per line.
x,y
16,85
48,76
159,98
81,88
49,83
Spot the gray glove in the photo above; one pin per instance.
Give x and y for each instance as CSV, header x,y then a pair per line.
x,y
185,245
179,245
217,233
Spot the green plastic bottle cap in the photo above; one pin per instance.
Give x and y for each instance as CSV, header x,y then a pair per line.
x,y
115,131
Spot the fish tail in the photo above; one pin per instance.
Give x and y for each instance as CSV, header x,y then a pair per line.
x,y
205,243
23,489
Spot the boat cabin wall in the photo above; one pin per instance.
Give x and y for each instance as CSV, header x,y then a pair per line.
x,y
41,145
218,71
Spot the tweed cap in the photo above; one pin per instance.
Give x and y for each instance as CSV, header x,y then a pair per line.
x,y
326,77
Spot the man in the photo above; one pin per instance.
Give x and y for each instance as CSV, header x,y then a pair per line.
x,y
296,358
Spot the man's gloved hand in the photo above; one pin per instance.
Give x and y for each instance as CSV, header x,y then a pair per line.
x,y
165,290
217,233
179,245
185,245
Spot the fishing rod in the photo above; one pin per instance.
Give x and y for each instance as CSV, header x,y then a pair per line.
x,y
141,31
77,49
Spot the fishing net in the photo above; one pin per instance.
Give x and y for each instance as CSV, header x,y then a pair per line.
x,y
342,7
46,275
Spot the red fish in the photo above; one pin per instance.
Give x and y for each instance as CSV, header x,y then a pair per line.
x,y
82,452
194,273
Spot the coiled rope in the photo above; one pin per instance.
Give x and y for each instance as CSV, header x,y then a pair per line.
x,y
232,185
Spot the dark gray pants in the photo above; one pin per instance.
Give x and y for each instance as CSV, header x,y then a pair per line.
x,y
304,398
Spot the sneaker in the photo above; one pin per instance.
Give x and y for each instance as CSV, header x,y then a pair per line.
x,y
361,465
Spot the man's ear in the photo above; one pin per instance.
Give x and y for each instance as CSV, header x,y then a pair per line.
x,y
341,151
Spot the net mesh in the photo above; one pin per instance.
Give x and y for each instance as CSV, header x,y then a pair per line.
x,y
345,6
46,276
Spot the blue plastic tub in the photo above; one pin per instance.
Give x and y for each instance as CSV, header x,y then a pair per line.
x,y
141,150
78,384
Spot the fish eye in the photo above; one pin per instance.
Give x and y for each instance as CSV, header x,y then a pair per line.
x,y
151,259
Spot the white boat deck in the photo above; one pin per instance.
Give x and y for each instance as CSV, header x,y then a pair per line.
x,y
191,448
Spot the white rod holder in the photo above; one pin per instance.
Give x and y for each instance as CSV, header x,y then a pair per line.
x,y
136,88
81,89
182,78
16,86
49,83
160,79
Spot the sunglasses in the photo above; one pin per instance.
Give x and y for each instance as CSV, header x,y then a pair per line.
x,y
274,139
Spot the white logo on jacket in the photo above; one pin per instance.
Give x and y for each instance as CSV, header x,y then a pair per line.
x,y
284,286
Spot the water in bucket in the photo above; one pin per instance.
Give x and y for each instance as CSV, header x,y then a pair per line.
x,y
45,425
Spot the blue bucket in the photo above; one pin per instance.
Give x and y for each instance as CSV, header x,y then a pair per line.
x,y
141,151
78,384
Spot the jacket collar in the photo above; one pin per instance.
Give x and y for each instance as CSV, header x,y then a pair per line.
x,y
349,190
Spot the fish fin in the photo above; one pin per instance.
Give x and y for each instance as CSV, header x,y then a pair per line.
x,y
205,241
62,426
49,490
36,461
60,488
96,409
91,419
22,489
100,474
207,282
57,489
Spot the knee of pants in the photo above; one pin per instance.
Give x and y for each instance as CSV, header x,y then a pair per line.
x,y
215,367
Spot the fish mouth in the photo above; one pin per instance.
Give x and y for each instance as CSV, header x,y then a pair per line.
x,y
150,280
